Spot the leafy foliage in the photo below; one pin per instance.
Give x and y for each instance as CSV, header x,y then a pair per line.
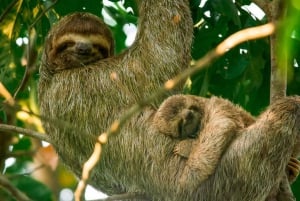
x,y
242,75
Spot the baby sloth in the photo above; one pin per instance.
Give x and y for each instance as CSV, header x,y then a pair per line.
x,y
182,117
186,117
68,46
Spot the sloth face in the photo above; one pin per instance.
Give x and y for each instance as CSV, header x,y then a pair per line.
x,y
76,41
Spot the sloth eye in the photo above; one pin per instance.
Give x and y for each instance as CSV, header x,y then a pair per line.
x,y
63,46
104,51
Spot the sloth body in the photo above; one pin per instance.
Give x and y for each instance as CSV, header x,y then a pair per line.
x,y
80,99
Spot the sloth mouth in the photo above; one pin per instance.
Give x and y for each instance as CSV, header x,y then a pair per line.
x,y
84,53
86,58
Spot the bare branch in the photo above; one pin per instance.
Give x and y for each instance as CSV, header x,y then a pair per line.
x,y
30,172
60,123
17,154
30,133
275,10
243,36
278,78
18,195
88,166
230,42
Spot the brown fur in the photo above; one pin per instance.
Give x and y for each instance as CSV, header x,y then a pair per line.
x,y
85,99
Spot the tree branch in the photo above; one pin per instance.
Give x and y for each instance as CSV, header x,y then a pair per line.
x,y
275,10
17,154
24,131
18,195
8,8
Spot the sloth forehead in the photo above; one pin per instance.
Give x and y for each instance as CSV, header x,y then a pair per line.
x,y
83,38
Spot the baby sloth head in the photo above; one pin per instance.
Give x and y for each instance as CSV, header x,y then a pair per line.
x,y
179,116
77,40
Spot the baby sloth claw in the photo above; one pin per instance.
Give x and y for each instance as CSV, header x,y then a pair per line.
x,y
293,169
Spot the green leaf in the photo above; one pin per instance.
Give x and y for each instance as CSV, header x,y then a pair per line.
x,y
32,188
132,4
23,144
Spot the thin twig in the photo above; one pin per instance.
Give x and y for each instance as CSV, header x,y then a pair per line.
x,y
30,172
16,193
59,123
43,13
17,154
230,42
30,133
9,7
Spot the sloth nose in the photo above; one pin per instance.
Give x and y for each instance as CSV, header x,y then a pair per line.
x,y
188,115
83,48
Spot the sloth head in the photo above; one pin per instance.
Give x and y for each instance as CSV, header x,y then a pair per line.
x,y
77,40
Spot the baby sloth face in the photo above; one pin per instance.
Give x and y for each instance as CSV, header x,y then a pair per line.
x,y
179,117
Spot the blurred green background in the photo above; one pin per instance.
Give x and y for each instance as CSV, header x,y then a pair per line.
x,y
242,75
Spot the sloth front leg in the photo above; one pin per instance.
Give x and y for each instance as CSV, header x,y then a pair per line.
x,y
184,148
